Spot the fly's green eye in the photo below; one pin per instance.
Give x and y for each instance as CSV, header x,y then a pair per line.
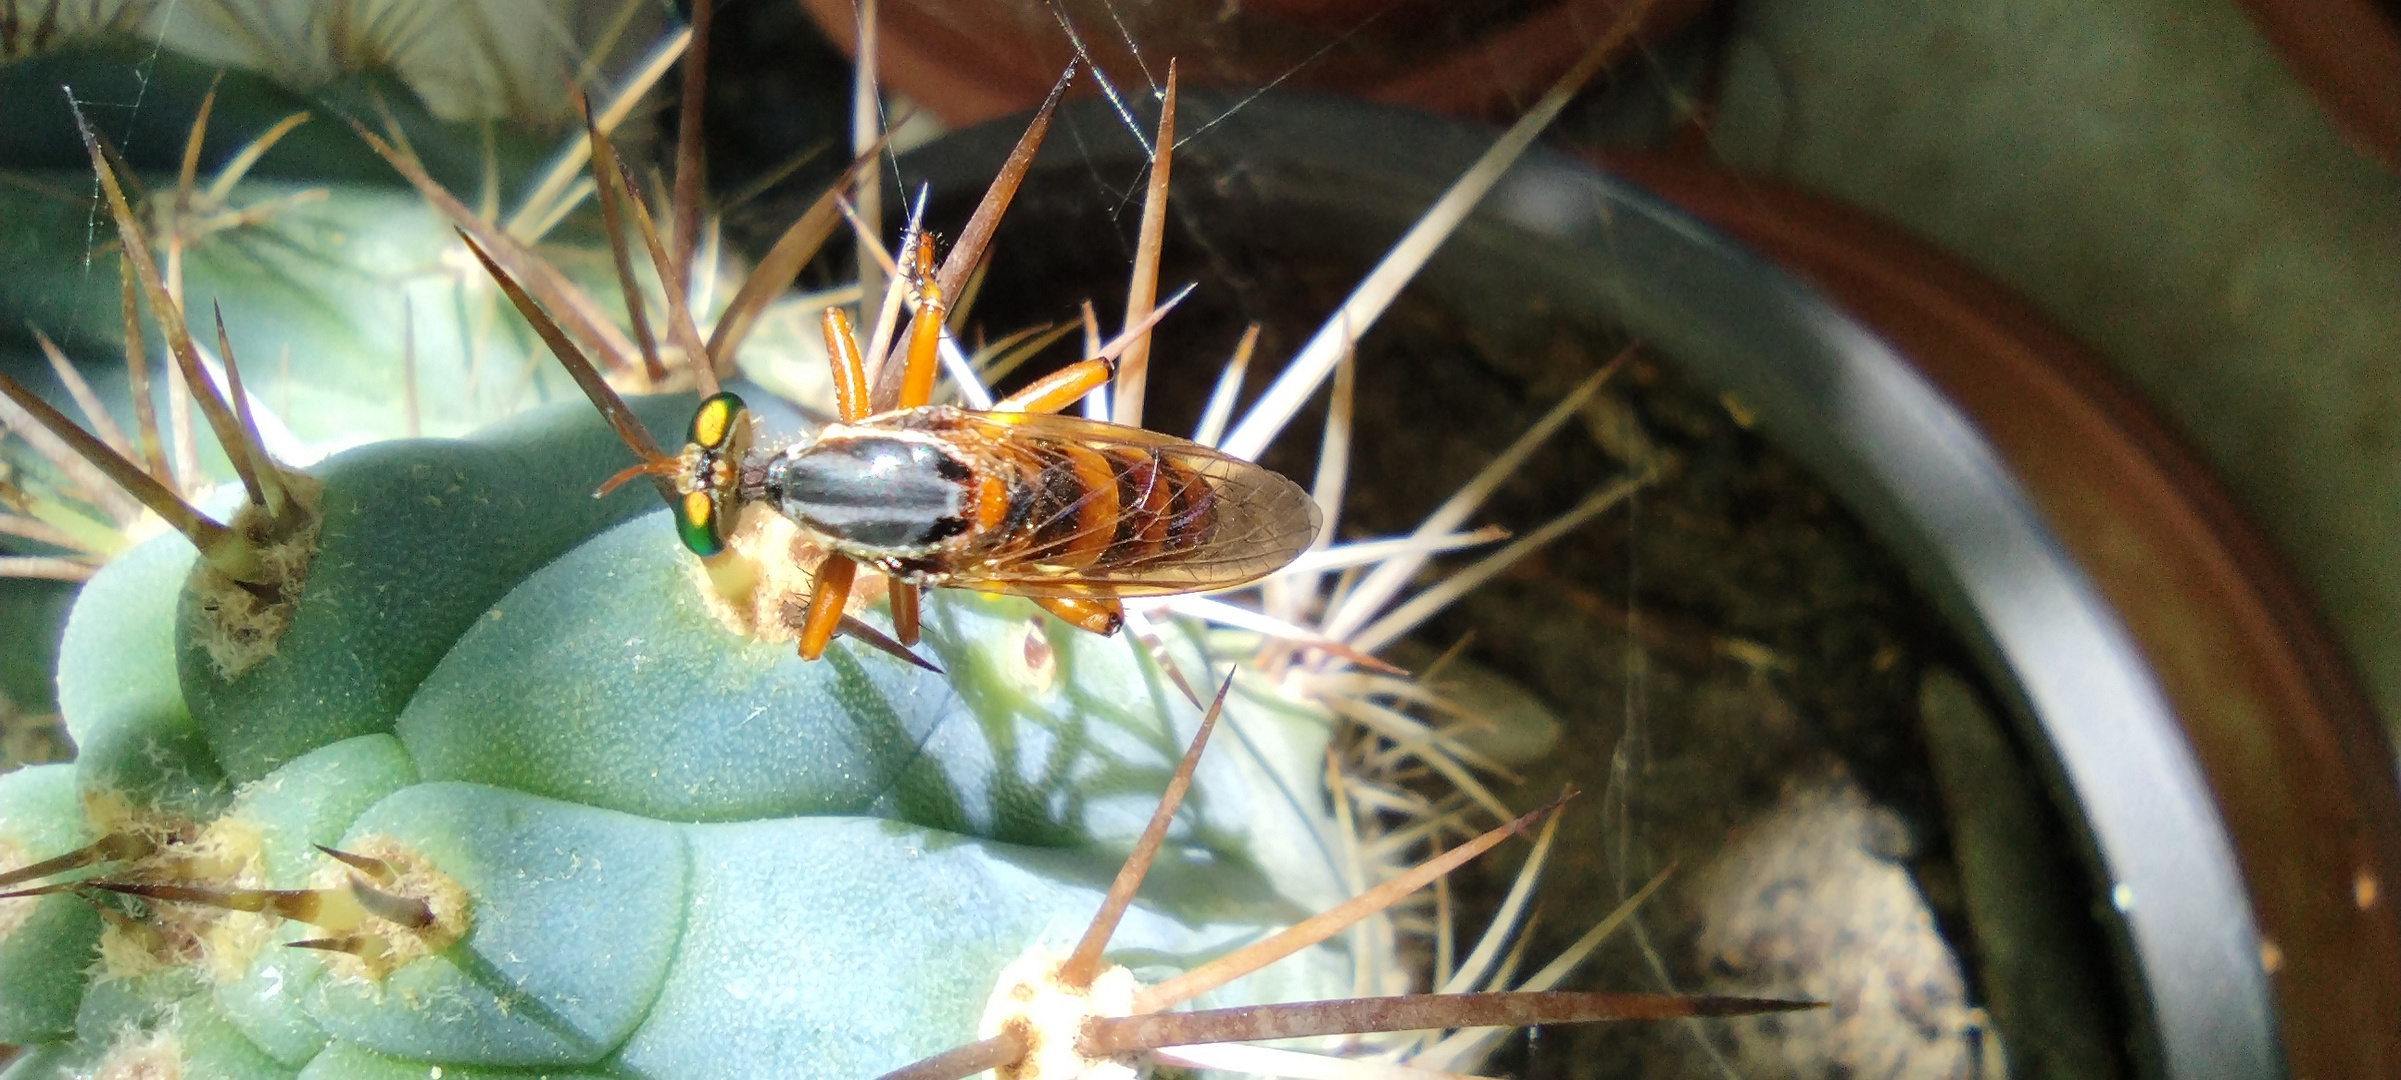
x,y
696,521
715,422
700,514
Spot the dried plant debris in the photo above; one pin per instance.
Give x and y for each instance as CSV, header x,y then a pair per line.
x,y
1763,655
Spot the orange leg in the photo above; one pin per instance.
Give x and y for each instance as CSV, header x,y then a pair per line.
x,y
904,611
1099,615
1059,389
850,372
925,333
925,350
826,601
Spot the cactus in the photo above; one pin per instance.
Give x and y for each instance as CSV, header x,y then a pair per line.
x,y
630,892
584,861
618,815
425,759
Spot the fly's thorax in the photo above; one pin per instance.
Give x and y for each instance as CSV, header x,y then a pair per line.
x,y
873,492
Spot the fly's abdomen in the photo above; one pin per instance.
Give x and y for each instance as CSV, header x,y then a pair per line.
x,y
1080,509
1169,508
1063,507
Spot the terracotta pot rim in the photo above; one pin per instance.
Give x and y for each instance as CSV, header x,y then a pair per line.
x,y
2348,53
970,68
2071,430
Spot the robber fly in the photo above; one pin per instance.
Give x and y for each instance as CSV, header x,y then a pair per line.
x,y
1075,514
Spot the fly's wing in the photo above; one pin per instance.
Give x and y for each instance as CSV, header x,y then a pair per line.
x,y
1187,518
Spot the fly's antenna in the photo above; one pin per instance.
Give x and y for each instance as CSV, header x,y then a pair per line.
x,y
658,466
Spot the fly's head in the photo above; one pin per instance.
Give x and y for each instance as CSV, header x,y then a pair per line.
x,y
709,473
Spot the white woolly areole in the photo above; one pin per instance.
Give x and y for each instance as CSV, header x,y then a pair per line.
x,y
1049,1016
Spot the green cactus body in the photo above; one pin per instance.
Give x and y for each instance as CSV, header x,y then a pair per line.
x,y
319,297
651,846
